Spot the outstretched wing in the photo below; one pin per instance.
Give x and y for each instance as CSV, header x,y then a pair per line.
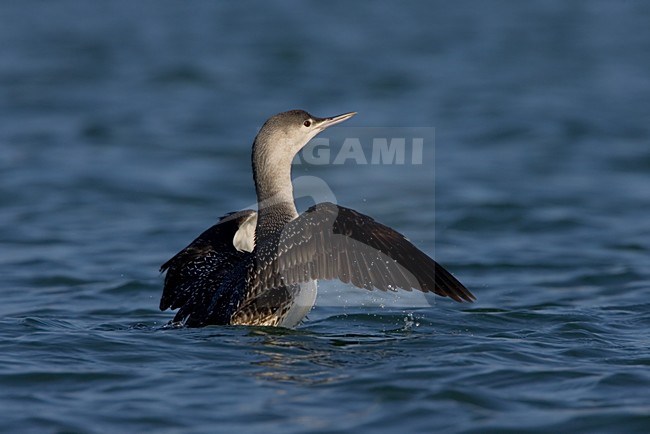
x,y
329,241
196,271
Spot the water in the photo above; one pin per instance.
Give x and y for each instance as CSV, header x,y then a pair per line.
x,y
126,130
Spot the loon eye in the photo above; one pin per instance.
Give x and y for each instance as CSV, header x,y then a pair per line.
x,y
307,123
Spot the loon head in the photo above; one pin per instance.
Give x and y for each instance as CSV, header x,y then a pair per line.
x,y
288,132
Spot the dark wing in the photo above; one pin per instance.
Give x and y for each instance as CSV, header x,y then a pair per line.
x,y
195,272
329,241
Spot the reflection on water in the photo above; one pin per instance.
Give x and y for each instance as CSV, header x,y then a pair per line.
x,y
307,357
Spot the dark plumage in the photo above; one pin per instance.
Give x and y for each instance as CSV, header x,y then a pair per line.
x,y
214,281
194,273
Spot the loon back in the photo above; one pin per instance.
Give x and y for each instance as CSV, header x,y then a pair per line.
x,y
195,272
214,283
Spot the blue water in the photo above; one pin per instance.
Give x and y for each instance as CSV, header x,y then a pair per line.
x,y
125,130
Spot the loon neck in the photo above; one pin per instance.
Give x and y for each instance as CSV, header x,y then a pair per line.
x,y
272,176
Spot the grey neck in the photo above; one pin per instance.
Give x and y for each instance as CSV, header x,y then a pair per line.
x,y
272,175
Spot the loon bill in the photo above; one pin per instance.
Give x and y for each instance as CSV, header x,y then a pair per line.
x,y
261,268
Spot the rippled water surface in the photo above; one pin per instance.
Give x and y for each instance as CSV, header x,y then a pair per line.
x,y
125,130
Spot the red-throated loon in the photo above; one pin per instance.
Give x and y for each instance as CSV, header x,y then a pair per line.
x,y
261,268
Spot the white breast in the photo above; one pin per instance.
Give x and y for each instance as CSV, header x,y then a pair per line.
x,y
301,305
244,239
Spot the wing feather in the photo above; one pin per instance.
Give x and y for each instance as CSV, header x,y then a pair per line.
x,y
195,272
329,241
